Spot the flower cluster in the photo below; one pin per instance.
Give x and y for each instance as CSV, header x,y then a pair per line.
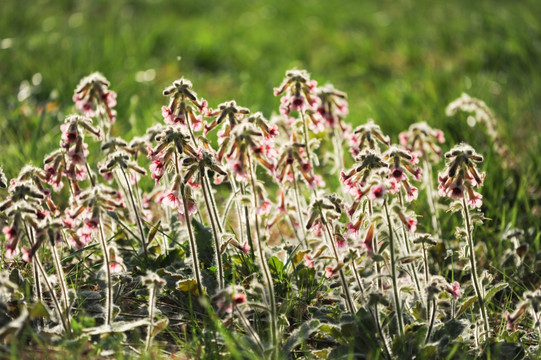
x,y
461,176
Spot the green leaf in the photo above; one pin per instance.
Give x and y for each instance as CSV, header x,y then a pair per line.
x,y
466,305
299,335
493,290
205,244
452,329
38,310
188,285
276,266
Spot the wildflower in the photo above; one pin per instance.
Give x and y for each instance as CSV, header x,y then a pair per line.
x,y
421,138
460,176
182,105
454,290
92,91
308,262
330,109
329,272
229,111
366,137
298,89
116,263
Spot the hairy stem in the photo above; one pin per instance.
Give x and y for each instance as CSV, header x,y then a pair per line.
x,y
136,213
108,279
349,301
265,267
392,245
193,244
473,264
214,229
151,305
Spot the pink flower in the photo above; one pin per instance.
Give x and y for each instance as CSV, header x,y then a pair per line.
x,y
246,247
411,225
69,134
116,266
308,262
27,255
170,118
328,272
264,208
456,191
411,193
11,253
172,200
352,230
474,199
341,243
376,192
239,299
454,289
398,173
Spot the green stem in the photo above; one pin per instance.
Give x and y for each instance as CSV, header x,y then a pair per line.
x,y
299,211
62,280
432,318
431,197
473,264
408,249
193,244
393,271
214,229
108,279
151,304
349,301
136,213
265,267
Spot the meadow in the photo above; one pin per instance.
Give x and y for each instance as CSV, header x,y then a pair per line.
x,y
325,248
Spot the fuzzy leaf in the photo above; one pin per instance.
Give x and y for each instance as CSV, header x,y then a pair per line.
x,y
159,326
117,327
205,244
188,285
299,335
466,304
493,290
38,310
299,257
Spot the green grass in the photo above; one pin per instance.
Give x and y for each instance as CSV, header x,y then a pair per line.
x,y
399,62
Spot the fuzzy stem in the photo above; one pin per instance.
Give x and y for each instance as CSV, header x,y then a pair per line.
x,y
151,304
431,197
53,295
432,318
193,244
299,211
408,249
247,221
62,280
214,229
475,279
393,271
265,267
349,301
136,213
108,280
214,206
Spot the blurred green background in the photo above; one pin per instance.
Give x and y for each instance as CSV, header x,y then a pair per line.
x,y
399,61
